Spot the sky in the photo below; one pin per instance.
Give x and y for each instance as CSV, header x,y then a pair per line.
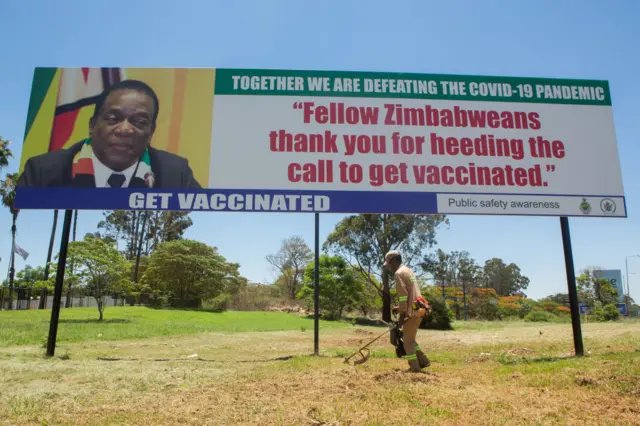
x,y
585,39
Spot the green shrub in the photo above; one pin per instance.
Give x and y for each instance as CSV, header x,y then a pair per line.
x,y
158,302
219,303
440,316
486,310
611,312
607,313
512,318
186,303
525,308
506,311
540,316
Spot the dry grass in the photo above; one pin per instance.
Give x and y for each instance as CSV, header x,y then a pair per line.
x,y
516,374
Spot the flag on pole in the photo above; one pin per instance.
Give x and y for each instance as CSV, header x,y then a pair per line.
x,y
78,91
22,252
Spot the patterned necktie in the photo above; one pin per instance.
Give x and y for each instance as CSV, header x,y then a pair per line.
x,y
116,180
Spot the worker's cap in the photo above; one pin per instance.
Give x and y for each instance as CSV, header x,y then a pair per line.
x,y
390,256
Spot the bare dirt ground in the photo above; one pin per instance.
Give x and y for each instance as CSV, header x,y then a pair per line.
x,y
483,375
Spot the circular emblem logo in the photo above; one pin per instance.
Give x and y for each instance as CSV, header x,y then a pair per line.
x,y
608,206
585,207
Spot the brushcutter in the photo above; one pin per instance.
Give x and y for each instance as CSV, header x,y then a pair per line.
x,y
396,340
421,305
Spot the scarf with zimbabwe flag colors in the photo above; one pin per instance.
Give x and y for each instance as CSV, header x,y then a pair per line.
x,y
83,174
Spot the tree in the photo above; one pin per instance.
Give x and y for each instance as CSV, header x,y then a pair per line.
x,y
142,231
71,276
484,304
100,267
370,300
124,226
142,236
469,273
281,283
290,260
29,276
450,269
438,265
166,226
26,280
634,309
8,194
340,289
506,280
135,228
364,240
118,226
139,287
51,242
190,271
104,237
45,277
592,289
561,298
75,225
5,152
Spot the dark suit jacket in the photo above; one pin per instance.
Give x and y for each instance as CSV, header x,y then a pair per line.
x,y
53,169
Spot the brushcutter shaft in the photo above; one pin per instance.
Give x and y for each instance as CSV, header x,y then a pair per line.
x,y
367,345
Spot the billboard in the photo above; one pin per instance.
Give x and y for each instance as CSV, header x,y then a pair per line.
x,y
615,278
196,139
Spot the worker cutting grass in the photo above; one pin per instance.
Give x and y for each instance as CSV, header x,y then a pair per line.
x,y
412,308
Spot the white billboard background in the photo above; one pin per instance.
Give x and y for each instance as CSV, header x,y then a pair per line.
x,y
241,157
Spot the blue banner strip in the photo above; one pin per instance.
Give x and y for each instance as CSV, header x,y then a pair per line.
x,y
237,200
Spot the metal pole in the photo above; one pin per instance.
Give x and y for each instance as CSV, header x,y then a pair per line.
x,y
57,295
626,267
626,263
571,283
316,288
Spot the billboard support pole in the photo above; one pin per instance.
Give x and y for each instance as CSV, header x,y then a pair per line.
x,y
571,283
316,288
57,295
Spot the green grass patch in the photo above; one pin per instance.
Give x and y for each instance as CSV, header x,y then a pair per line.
x,y
124,323
519,375
434,414
473,325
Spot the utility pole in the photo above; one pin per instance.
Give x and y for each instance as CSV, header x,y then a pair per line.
x,y
626,267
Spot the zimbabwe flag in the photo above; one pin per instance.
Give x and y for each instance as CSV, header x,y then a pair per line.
x,y
78,91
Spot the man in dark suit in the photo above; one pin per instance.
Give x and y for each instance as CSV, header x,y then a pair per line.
x,y
117,153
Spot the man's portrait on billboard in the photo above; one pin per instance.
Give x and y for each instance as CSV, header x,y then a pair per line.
x,y
118,151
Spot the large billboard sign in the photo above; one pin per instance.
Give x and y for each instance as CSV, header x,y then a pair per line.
x,y
614,276
319,141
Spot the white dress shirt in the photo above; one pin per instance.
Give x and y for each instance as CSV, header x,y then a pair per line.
x,y
102,173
